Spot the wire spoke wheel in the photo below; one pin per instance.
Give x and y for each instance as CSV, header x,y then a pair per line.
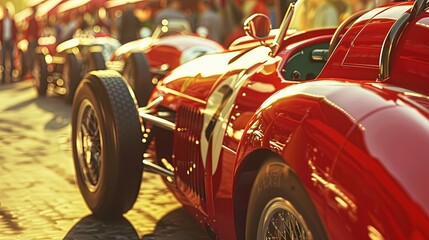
x,y
88,144
281,221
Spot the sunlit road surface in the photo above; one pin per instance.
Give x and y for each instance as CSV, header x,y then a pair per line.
x,y
39,198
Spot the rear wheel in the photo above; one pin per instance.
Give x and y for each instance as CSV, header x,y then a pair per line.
x,y
96,61
71,76
138,75
40,74
280,208
107,144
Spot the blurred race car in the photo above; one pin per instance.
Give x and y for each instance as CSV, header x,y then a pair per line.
x,y
61,68
144,62
318,132
61,59
41,11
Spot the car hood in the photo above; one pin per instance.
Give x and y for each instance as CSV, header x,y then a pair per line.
x,y
199,77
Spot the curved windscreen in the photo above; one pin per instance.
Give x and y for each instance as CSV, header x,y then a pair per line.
x,y
315,14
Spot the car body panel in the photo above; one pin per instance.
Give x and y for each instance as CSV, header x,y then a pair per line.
x,y
342,134
348,133
359,50
171,51
203,94
353,165
412,54
165,53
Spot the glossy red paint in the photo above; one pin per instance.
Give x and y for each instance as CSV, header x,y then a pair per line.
x,y
355,167
171,51
359,49
193,88
411,54
357,146
168,52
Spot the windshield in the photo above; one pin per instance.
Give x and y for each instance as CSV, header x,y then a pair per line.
x,y
314,14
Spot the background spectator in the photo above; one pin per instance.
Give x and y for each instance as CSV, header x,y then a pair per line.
x,y
32,34
209,22
129,25
32,31
8,38
174,10
247,8
69,26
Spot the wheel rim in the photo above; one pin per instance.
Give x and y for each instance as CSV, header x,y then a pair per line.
x,y
280,220
88,145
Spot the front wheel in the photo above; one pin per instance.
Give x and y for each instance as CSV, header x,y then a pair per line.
x,y
95,61
280,208
107,144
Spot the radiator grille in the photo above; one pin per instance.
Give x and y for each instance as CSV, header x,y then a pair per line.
x,y
190,169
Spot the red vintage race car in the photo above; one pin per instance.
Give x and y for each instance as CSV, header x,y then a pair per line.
x,y
60,68
316,133
145,61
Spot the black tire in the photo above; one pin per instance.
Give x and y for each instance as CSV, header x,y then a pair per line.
x,y
72,74
40,74
277,190
138,75
107,144
23,63
96,61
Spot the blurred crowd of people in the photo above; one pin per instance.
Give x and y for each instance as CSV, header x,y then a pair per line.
x,y
219,20
8,33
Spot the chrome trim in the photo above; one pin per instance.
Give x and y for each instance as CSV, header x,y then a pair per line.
x,y
158,121
180,94
319,55
283,29
155,102
392,39
389,43
334,40
152,167
150,108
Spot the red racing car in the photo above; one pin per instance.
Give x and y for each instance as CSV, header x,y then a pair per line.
x,y
318,132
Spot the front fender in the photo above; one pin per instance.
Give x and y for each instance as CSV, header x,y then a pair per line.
x,y
330,106
308,124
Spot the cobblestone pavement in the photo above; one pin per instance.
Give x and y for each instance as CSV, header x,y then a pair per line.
x,y
39,198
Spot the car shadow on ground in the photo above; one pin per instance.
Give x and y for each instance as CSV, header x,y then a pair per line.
x,y
176,225
52,103
89,228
